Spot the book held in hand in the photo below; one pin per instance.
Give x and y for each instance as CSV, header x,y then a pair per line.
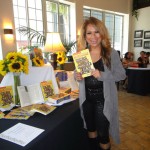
x,y
83,62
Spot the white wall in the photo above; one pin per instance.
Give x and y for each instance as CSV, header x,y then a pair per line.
x,y
6,20
143,23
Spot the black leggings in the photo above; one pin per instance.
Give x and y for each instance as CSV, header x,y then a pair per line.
x,y
96,120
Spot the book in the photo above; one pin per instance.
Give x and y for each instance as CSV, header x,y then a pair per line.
x,y
31,94
83,62
6,98
57,98
16,115
47,89
42,108
2,115
35,93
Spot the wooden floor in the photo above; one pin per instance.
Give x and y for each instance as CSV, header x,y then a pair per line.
x,y
134,119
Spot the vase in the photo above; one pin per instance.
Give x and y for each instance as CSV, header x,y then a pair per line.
x,y
61,66
16,83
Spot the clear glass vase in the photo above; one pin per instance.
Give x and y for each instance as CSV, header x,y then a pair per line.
x,y
16,83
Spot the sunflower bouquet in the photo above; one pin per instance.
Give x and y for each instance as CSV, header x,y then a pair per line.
x,y
14,62
37,58
61,58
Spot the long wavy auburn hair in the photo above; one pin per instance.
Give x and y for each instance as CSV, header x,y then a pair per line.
x,y
105,43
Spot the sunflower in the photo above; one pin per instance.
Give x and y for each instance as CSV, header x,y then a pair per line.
x,y
21,57
61,60
11,56
61,57
37,61
15,66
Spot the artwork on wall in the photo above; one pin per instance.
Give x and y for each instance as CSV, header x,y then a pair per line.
x,y
138,34
146,44
137,43
146,34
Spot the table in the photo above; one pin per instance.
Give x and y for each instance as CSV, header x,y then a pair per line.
x,y
36,75
63,130
138,80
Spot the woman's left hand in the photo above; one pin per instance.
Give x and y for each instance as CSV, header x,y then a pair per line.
x,y
96,73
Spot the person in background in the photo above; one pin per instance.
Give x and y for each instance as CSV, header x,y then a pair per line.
x,y
98,93
128,61
142,60
147,57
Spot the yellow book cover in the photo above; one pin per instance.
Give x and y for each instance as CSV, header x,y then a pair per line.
x,y
47,89
6,98
16,115
43,108
2,115
83,62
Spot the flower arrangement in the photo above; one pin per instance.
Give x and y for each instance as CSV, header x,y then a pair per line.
x,y
14,62
37,58
37,61
61,57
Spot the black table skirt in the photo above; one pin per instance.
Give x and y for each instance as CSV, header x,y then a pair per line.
x,y
139,81
63,130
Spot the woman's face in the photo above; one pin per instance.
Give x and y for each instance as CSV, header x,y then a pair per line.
x,y
93,36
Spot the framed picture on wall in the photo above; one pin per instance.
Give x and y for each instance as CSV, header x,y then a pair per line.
x,y
146,44
138,34
137,43
146,34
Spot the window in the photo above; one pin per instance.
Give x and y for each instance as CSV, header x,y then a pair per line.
x,y
27,13
58,19
30,13
113,22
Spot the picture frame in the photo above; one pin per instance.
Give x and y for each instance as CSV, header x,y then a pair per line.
x,y
146,44
138,34
146,34
138,43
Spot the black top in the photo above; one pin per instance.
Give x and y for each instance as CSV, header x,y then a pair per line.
x,y
94,88
143,63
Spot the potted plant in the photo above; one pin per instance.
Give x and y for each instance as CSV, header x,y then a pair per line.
x,y
69,46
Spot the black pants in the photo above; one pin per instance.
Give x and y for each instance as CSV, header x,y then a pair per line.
x,y
96,120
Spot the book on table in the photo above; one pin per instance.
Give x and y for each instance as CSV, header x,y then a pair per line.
x,y
40,93
83,62
6,98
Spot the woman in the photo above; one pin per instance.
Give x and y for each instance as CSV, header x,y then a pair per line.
x,y
128,60
98,93
142,60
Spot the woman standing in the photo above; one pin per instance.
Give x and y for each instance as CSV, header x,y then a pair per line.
x,y
98,93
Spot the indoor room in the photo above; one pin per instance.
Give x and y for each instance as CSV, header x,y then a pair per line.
x,y
50,69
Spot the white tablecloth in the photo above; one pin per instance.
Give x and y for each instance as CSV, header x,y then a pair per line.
x,y
36,75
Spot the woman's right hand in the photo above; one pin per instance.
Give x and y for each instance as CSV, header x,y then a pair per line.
x,y
78,76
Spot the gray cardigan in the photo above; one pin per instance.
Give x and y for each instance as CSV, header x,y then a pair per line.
x,y
109,77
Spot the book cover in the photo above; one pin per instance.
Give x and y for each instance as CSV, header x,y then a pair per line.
x,y
6,98
83,62
57,98
43,108
2,115
24,110
16,115
47,89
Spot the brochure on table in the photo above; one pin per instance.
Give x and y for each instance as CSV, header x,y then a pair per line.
x,y
21,134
